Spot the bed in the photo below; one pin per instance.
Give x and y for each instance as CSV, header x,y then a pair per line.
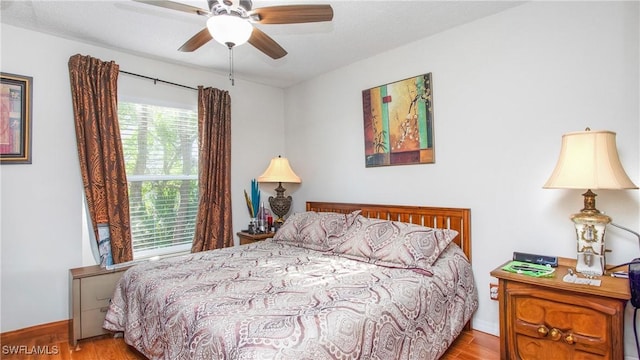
x,y
338,281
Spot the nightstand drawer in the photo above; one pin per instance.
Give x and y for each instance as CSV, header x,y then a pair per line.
x,y
97,290
92,322
556,322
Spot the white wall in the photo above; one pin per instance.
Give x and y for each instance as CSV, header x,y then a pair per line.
x,y
505,88
41,203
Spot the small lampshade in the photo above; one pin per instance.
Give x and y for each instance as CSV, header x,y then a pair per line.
x,y
279,170
229,30
589,160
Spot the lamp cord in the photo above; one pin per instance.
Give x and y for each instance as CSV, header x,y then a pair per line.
x,y
627,229
634,233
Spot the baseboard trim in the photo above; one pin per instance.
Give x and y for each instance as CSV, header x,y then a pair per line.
x,y
486,327
44,334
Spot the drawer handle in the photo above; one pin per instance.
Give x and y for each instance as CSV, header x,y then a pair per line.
x,y
556,334
104,309
569,339
543,330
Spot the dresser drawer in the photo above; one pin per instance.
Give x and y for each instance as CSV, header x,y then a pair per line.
x,y
96,291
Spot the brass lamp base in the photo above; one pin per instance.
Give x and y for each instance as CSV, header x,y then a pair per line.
x,y
280,204
590,227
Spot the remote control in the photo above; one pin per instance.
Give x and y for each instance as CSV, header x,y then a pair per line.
x,y
536,259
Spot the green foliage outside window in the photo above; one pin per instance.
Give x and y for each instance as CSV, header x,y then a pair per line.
x,y
161,159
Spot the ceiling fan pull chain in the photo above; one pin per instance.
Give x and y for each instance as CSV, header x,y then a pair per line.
x,y
231,64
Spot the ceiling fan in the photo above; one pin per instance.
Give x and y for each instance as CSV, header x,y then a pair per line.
x,y
230,22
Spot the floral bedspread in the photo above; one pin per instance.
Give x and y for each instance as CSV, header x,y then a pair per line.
x,y
270,300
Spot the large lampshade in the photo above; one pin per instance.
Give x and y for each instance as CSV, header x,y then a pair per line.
x,y
279,171
229,30
589,160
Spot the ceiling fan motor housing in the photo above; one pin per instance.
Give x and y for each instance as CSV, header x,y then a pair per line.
x,y
227,6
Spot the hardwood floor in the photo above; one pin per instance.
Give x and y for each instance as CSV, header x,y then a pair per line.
x,y
471,345
474,345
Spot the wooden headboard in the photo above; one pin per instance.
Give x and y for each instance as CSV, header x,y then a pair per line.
x,y
457,219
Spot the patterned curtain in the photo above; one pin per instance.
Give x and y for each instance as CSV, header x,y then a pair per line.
x,y
213,223
95,105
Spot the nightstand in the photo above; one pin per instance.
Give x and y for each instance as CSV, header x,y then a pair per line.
x,y
246,238
547,318
91,289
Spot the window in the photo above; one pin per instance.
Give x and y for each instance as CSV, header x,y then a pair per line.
x,y
161,158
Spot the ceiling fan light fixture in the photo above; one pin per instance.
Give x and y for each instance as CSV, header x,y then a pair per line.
x,y
229,30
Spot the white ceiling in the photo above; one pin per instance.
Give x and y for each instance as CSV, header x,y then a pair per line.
x,y
359,29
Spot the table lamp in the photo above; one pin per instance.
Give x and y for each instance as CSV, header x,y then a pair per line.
x,y
589,160
279,171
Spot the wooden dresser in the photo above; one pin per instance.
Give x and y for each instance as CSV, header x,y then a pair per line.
x,y
547,318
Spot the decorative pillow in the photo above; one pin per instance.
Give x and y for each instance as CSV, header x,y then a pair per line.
x,y
394,243
315,230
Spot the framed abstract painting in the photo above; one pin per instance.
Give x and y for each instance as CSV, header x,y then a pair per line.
x,y
398,122
15,119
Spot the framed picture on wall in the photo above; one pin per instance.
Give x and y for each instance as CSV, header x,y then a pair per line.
x,y
15,119
398,122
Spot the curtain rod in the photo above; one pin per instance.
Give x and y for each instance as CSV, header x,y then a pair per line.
x,y
158,80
